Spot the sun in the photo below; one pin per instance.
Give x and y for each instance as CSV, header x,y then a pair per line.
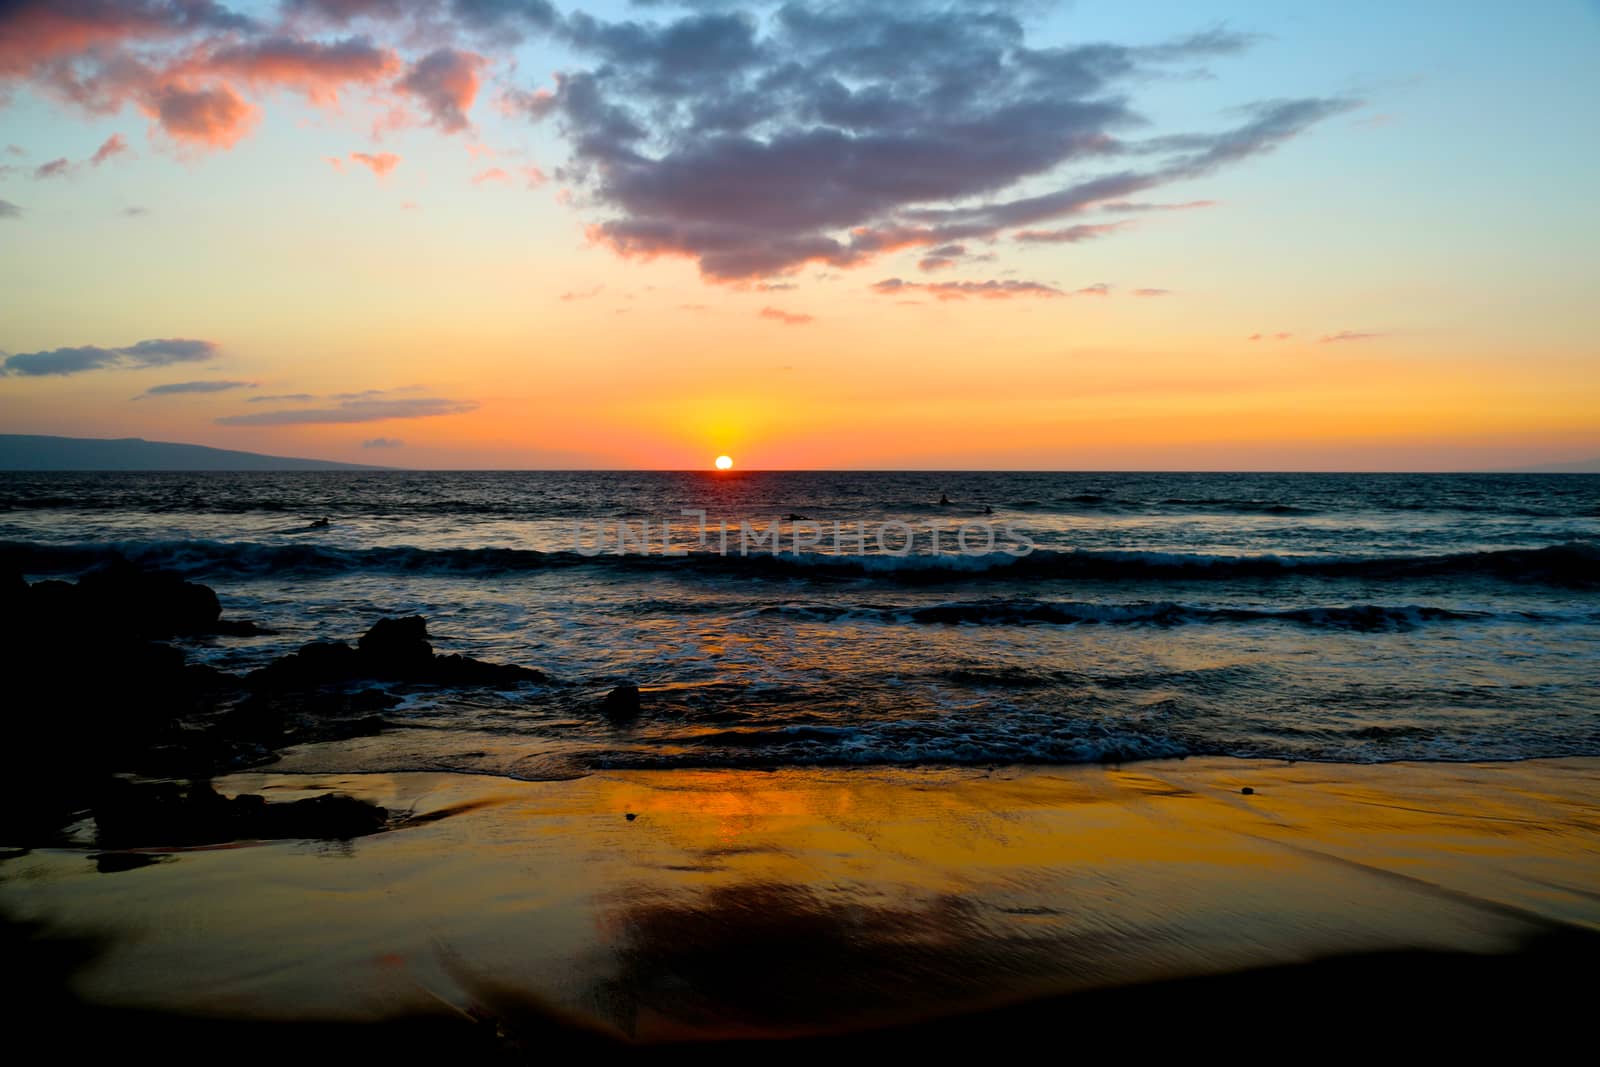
x,y
724,463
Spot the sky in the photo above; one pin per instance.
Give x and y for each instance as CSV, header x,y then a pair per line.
x,y
981,235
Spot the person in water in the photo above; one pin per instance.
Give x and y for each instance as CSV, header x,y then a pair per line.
x,y
319,523
944,501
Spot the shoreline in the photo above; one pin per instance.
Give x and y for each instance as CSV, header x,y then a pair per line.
x,y
751,904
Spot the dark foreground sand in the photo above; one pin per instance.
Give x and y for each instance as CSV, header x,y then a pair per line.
x,y
1154,905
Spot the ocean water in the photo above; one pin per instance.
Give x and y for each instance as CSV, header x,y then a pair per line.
x,y
1356,618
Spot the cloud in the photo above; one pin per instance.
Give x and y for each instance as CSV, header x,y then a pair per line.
x,y
1152,292
1070,235
8,210
1269,337
942,258
1347,335
134,211
111,147
1127,207
1097,289
993,289
194,387
63,167
380,163
355,410
63,361
445,81
582,294
502,21
788,318
493,174
383,442
834,133
210,117
312,68
278,398
56,168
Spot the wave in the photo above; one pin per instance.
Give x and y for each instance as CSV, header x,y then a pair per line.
x,y
1575,564
1358,617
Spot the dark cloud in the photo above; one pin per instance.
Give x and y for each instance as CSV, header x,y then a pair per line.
x,y
355,410
504,20
194,387
445,82
383,442
279,398
311,67
56,168
788,318
8,210
835,133
64,361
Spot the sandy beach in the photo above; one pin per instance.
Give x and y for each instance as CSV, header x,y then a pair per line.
x,y
683,906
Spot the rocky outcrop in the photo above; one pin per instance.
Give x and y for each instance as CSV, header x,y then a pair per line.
x,y
169,814
393,650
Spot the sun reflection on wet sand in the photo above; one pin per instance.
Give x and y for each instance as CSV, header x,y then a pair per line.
x,y
750,903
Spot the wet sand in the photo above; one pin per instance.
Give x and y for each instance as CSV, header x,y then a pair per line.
x,y
883,904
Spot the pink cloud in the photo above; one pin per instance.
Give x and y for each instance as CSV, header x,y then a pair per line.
x,y
113,146
1347,335
380,163
1152,292
210,117
788,318
988,290
493,174
1070,235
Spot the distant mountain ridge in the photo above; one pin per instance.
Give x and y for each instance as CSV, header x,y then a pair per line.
x,y
42,452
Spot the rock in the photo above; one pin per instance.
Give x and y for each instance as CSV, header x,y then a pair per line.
x,y
129,815
117,862
622,703
394,650
151,604
396,647
316,664
463,671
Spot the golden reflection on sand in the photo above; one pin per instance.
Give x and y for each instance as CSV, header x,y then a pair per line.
x,y
752,903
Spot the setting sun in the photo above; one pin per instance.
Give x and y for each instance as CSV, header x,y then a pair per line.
x,y
724,463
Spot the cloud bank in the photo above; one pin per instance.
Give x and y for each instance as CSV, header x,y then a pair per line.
x,y
161,352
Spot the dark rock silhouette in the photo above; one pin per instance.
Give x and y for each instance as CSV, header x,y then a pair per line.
x,y
395,650
95,689
622,703
127,815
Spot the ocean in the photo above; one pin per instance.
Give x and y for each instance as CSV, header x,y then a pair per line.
x,y
1031,618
